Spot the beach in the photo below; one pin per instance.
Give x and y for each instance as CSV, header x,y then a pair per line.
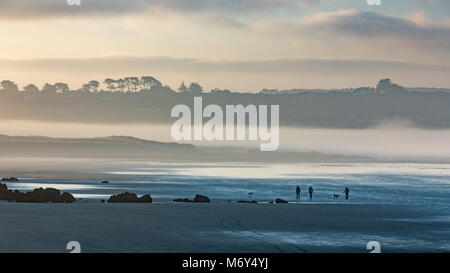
x,y
218,227
402,206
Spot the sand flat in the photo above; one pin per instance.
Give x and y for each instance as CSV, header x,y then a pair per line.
x,y
217,227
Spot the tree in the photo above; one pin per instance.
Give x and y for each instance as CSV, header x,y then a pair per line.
x,y
195,88
110,84
120,84
90,87
148,82
131,83
61,87
9,86
183,88
386,86
94,86
31,89
49,89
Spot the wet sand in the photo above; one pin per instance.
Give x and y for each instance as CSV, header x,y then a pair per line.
x,y
217,227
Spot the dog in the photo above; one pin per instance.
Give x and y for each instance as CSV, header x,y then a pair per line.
x,y
336,196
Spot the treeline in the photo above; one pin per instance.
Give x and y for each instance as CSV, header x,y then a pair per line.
x,y
127,84
146,100
146,83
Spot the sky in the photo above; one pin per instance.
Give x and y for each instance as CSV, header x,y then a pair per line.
x,y
241,45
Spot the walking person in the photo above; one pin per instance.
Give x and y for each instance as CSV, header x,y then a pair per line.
x,y
298,191
310,192
346,191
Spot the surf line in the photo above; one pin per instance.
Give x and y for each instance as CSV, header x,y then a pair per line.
x,y
191,127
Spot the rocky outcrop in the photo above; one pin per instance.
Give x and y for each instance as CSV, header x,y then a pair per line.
x,y
198,199
10,179
68,198
127,197
201,199
278,200
248,201
36,196
182,200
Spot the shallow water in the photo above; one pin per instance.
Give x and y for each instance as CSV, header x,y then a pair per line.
x,y
425,187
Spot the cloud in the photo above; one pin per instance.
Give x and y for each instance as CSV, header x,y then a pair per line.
x,y
373,25
22,9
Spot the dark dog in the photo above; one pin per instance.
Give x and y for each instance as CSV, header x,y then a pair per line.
x,y
336,196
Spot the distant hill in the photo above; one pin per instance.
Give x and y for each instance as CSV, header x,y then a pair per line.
x,y
124,147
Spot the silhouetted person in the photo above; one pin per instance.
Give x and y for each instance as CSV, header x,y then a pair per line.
x,y
297,191
346,191
310,192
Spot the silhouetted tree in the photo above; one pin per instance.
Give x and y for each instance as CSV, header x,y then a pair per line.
x,y
131,83
31,89
219,91
148,82
49,89
120,84
195,88
61,87
91,87
386,86
110,84
9,86
94,86
183,88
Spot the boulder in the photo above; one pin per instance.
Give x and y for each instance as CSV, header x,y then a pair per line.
x,y
36,196
10,179
278,201
68,198
186,200
6,194
146,198
201,199
127,197
248,201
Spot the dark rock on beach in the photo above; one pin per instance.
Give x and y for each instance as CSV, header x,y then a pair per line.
x,y
36,196
278,201
10,179
127,197
248,201
201,199
68,198
180,200
198,199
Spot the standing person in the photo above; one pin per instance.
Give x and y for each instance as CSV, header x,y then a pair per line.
x,y
346,191
298,191
310,192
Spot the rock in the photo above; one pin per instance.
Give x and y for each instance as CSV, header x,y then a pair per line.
x,y
36,196
10,179
201,199
127,197
248,202
182,200
68,198
6,194
146,198
105,182
198,199
278,201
